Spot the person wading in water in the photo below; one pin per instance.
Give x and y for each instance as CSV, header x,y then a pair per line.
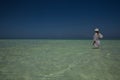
x,y
96,38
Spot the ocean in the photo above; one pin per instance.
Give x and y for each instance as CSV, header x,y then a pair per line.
x,y
44,59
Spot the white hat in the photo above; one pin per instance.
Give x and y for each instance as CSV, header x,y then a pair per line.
x,y
96,29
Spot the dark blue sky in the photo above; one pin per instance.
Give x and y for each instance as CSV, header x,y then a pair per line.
x,y
59,18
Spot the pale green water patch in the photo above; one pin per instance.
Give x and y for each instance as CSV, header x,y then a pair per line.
x,y
59,60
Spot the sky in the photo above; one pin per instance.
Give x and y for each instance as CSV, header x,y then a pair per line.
x,y
74,19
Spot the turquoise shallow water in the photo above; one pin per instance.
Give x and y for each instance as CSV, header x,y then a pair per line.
x,y
59,60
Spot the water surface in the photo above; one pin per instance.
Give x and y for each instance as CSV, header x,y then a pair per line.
x,y
30,59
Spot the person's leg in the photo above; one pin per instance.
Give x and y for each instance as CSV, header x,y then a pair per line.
x,y
97,44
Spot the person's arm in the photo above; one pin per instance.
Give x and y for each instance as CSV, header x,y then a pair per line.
x,y
93,42
94,39
100,35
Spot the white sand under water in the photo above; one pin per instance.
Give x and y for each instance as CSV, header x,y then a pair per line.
x,y
30,59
